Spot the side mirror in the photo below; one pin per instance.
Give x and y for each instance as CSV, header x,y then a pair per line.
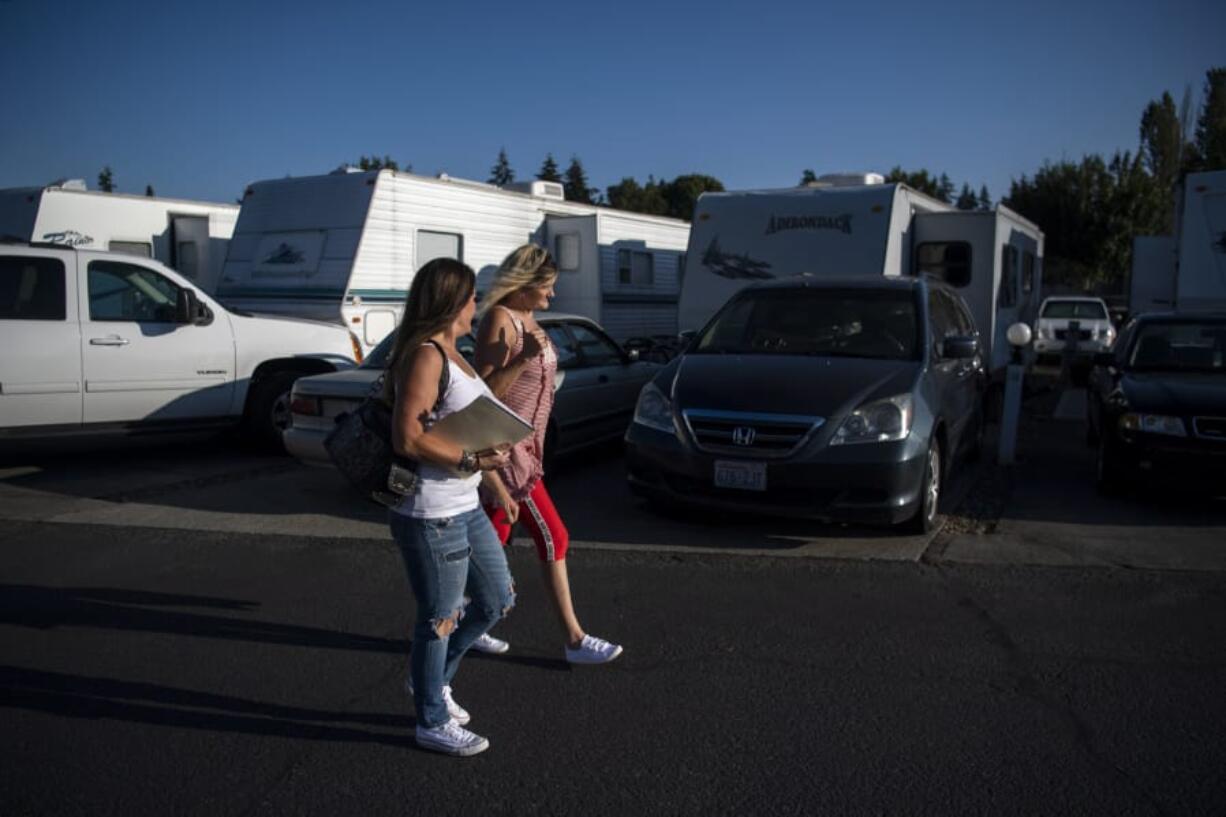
x,y
960,347
1104,358
186,306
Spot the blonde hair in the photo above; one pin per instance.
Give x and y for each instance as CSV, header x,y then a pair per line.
x,y
526,266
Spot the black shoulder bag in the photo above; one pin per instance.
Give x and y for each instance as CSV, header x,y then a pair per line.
x,y
360,445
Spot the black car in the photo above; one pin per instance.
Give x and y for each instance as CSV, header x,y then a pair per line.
x,y
826,399
1157,401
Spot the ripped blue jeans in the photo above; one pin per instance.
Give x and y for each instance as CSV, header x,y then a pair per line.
x,y
462,584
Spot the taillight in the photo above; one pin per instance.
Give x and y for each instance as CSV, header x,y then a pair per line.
x,y
307,406
357,347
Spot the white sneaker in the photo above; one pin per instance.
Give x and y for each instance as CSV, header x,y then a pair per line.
x,y
458,713
487,643
592,650
451,739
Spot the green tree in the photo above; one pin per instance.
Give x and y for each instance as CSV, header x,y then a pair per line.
x,y
106,180
985,201
918,180
807,177
373,162
575,185
501,173
681,195
549,170
149,190
945,189
625,195
1211,125
966,199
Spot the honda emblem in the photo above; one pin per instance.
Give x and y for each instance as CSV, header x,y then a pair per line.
x,y
743,435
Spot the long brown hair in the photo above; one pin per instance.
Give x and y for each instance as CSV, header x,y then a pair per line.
x,y
439,291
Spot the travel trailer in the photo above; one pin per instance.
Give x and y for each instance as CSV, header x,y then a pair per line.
x,y
1185,271
343,247
188,236
858,225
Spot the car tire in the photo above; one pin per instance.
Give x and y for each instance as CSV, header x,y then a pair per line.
x,y
268,410
925,519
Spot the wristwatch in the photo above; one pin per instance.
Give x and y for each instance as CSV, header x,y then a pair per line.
x,y
469,462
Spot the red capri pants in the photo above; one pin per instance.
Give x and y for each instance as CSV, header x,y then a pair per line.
x,y
537,513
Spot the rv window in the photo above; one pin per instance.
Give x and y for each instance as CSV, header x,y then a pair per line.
x,y
1008,277
31,289
635,267
431,245
566,251
127,292
132,248
1027,272
186,259
950,261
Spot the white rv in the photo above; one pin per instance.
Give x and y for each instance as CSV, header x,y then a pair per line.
x,y
188,236
861,226
1185,271
344,247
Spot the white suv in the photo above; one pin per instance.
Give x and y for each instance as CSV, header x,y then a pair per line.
x,y
1055,325
98,341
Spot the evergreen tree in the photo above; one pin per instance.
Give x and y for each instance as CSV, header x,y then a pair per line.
x,y
1211,125
576,183
945,189
985,201
1162,142
807,177
549,170
625,195
918,180
149,190
106,180
501,173
966,199
373,162
681,195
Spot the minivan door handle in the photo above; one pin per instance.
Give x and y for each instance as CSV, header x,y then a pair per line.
x,y
111,340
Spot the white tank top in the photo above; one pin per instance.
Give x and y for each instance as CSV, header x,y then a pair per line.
x,y
439,492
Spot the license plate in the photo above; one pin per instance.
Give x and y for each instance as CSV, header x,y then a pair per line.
x,y
745,476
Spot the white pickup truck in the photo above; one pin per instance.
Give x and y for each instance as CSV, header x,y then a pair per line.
x,y
105,342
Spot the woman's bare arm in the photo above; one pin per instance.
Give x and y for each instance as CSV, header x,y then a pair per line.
x,y
493,360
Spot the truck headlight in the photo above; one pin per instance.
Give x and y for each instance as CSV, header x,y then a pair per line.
x,y
877,422
654,409
1153,424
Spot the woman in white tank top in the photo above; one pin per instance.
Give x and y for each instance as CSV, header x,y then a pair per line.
x,y
449,547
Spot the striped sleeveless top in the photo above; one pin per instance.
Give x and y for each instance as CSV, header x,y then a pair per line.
x,y
531,397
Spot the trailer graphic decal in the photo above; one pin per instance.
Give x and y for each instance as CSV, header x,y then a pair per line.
x,y
728,265
284,254
840,223
68,238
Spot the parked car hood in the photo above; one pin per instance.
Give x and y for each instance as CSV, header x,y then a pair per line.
x,y
1176,392
354,383
785,384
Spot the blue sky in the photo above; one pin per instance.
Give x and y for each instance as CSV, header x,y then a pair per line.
x,y
199,99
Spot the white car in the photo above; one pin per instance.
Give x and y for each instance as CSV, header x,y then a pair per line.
x,y
101,342
1055,326
596,388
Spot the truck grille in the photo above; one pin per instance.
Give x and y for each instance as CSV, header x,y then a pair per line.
x,y
745,434
1082,334
1211,428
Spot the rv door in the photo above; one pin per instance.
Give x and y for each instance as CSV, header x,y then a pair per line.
x,y
189,248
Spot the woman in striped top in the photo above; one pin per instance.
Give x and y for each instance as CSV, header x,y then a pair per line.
x,y
518,362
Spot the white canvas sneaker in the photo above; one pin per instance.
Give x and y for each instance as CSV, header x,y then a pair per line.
x,y
592,650
487,643
458,713
451,739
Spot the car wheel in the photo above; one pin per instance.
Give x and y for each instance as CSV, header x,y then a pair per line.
x,y
925,518
268,412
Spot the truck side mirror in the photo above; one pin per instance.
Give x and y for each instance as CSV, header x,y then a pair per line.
x,y
186,306
959,347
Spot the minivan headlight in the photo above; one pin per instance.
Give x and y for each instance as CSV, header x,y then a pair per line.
x,y
1153,424
654,409
877,422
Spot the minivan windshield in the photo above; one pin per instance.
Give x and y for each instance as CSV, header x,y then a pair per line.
x,y
1086,310
1178,346
828,322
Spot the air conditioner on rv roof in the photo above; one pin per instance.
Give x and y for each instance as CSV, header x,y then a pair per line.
x,y
847,179
546,190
